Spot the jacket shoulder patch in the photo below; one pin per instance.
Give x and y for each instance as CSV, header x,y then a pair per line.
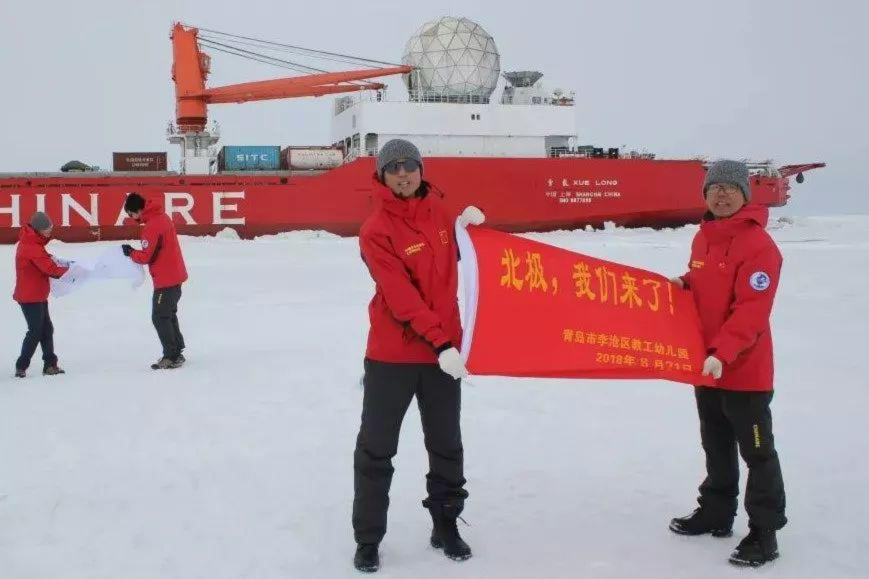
x,y
759,281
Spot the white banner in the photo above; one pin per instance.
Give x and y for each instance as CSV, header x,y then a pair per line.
x,y
111,264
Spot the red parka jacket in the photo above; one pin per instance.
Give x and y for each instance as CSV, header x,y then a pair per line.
x,y
734,273
33,267
160,251
410,248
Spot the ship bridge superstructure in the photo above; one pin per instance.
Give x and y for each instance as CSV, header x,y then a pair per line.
x,y
449,110
362,122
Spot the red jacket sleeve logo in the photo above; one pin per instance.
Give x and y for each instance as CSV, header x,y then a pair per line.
x,y
759,281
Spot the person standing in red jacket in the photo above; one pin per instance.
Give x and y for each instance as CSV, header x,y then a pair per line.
x,y
161,252
733,276
34,266
409,247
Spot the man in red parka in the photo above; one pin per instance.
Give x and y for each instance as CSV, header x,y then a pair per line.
x,y
161,252
409,246
733,275
34,266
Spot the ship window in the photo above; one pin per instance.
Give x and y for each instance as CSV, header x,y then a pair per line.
x,y
536,100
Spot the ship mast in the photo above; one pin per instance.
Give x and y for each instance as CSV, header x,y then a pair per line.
x,y
191,67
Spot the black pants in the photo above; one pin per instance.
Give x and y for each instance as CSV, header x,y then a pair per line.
x,y
389,388
40,331
731,420
164,314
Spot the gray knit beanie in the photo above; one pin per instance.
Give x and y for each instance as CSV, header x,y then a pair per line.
x,y
731,173
393,151
40,221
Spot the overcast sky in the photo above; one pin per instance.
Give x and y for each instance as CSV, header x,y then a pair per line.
x,y
761,79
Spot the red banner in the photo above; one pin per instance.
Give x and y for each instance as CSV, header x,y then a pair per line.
x,y
537,310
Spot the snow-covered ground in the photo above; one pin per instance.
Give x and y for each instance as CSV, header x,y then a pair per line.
x,y
240,464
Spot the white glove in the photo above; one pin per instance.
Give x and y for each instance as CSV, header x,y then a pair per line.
x,y
471,216
712,367
678,282
63,262
451,362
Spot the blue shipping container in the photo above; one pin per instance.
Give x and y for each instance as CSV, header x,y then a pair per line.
x,y
247,158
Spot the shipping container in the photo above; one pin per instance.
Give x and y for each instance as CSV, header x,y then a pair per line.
x,y
139,161
311,158
249,158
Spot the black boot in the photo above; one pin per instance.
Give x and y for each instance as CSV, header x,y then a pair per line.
x,y
165,363
757,548
367,559
700,523
445,533
53,370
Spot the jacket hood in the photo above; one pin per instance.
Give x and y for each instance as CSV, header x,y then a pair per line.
x,y
153,207
30,235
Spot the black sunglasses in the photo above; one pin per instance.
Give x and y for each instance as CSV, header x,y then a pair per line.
x,y
410,165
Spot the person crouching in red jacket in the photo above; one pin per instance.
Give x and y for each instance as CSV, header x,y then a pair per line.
x,y
34,266
409,246
733,275
161,252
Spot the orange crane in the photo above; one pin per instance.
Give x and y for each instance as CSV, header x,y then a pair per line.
x,y
191,66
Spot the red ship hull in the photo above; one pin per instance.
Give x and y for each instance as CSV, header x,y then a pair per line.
x,y
516,195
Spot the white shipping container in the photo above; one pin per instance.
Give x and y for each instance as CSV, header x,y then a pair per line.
x,y
313,158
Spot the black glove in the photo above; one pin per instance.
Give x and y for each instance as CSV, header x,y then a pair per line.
x,y
127,249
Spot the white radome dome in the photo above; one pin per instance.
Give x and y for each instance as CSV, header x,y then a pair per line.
x,y
456,60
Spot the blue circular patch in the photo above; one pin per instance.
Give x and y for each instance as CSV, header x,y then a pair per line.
x,y
759,281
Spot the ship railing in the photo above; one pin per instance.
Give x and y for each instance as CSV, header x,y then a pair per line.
x,y
352,155
355,152
351,100
429,96
765,168
343,103
556,101
172,129
588,153
558,154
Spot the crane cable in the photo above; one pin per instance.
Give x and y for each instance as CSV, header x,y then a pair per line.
x,y
307,51
266,59
229,49
211,43
302,52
